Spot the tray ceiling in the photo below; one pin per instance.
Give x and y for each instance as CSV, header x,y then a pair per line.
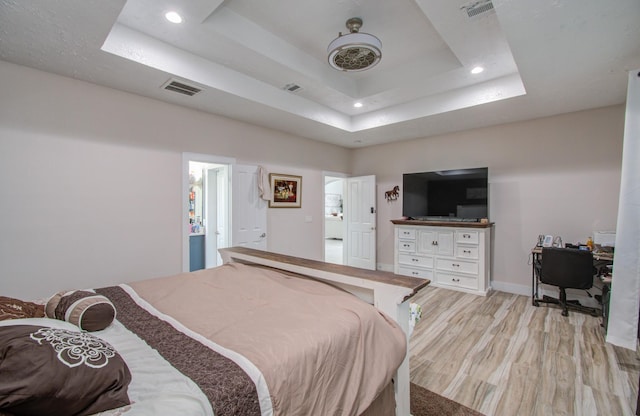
x,y
539,58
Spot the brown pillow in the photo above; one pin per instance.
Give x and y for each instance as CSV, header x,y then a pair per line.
x,y
11,308
51,371
88,310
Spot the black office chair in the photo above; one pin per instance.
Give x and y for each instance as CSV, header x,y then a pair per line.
x,y
566,268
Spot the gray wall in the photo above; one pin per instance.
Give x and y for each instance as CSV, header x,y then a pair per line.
x,y
91,182
557,175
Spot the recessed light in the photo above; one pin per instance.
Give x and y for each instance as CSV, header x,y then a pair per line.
x,y
357,105
173,17
477,70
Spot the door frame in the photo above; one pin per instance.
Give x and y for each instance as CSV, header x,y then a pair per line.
x,y
344,177
184,219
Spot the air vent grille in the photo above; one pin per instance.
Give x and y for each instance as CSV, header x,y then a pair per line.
x,y
182,88
476,8
292,87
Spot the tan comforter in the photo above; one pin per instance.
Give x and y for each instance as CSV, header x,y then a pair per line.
x,y
321,350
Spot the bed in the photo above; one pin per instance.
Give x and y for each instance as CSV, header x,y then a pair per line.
x,y
264,334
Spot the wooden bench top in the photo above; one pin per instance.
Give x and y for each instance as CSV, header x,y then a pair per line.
x,y
412,283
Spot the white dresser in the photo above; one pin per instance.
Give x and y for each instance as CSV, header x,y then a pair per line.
x,y
452,255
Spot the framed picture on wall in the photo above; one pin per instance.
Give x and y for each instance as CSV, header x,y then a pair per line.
x,y
286,191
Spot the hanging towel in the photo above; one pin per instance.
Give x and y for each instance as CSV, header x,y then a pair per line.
x,y
264,187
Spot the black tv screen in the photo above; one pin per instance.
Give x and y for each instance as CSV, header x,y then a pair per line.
x,y
460,194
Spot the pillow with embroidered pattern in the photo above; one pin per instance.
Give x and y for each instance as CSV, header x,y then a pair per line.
x,y
54,371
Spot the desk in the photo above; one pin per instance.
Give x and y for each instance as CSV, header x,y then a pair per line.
x,y
536,251
599,259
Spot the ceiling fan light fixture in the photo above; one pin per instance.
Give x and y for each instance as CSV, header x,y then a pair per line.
x,y
354,51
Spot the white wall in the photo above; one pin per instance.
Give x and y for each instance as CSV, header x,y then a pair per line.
x,y
558,175
90,182
76,212
80,164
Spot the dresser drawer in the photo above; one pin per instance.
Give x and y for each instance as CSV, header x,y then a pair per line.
x,y
422,273
467,252
458,266
420,261
454,256
455,280
407,233
467,237
407,246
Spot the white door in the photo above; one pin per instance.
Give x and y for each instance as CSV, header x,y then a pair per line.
x,y
248,210
360,214
426,241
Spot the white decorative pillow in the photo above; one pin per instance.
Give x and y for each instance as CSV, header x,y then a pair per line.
x,y
88,310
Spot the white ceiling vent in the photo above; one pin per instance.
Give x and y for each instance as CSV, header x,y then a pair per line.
x,y
181,87
478,7
292,87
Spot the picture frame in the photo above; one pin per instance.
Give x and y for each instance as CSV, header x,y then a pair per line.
x,y
286,191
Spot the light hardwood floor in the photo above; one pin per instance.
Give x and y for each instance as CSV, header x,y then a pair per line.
x,y
502,356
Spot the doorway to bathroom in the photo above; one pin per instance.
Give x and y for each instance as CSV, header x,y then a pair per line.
x,y
206,182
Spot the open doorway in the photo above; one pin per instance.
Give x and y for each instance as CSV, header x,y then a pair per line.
x,y
334,225
350,220
206,183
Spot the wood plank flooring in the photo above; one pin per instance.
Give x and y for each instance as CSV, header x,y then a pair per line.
x,y
502,356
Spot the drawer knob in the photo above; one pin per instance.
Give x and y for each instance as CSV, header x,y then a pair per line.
x,y
414,259
455,280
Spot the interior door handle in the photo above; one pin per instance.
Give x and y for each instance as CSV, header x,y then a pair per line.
x,y
263,235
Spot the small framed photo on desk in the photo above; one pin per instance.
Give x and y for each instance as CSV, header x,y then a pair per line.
x,y
548,241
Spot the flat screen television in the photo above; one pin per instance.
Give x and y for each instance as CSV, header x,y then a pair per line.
x,y
446,195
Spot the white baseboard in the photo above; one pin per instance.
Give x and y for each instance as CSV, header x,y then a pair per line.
x,y
514,288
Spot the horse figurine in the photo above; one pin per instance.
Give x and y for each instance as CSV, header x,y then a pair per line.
x,y
393,194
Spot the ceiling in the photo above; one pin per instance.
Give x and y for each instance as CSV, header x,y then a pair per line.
x,y
540,58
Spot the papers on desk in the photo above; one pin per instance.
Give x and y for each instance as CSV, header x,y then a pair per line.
x,y
604,238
